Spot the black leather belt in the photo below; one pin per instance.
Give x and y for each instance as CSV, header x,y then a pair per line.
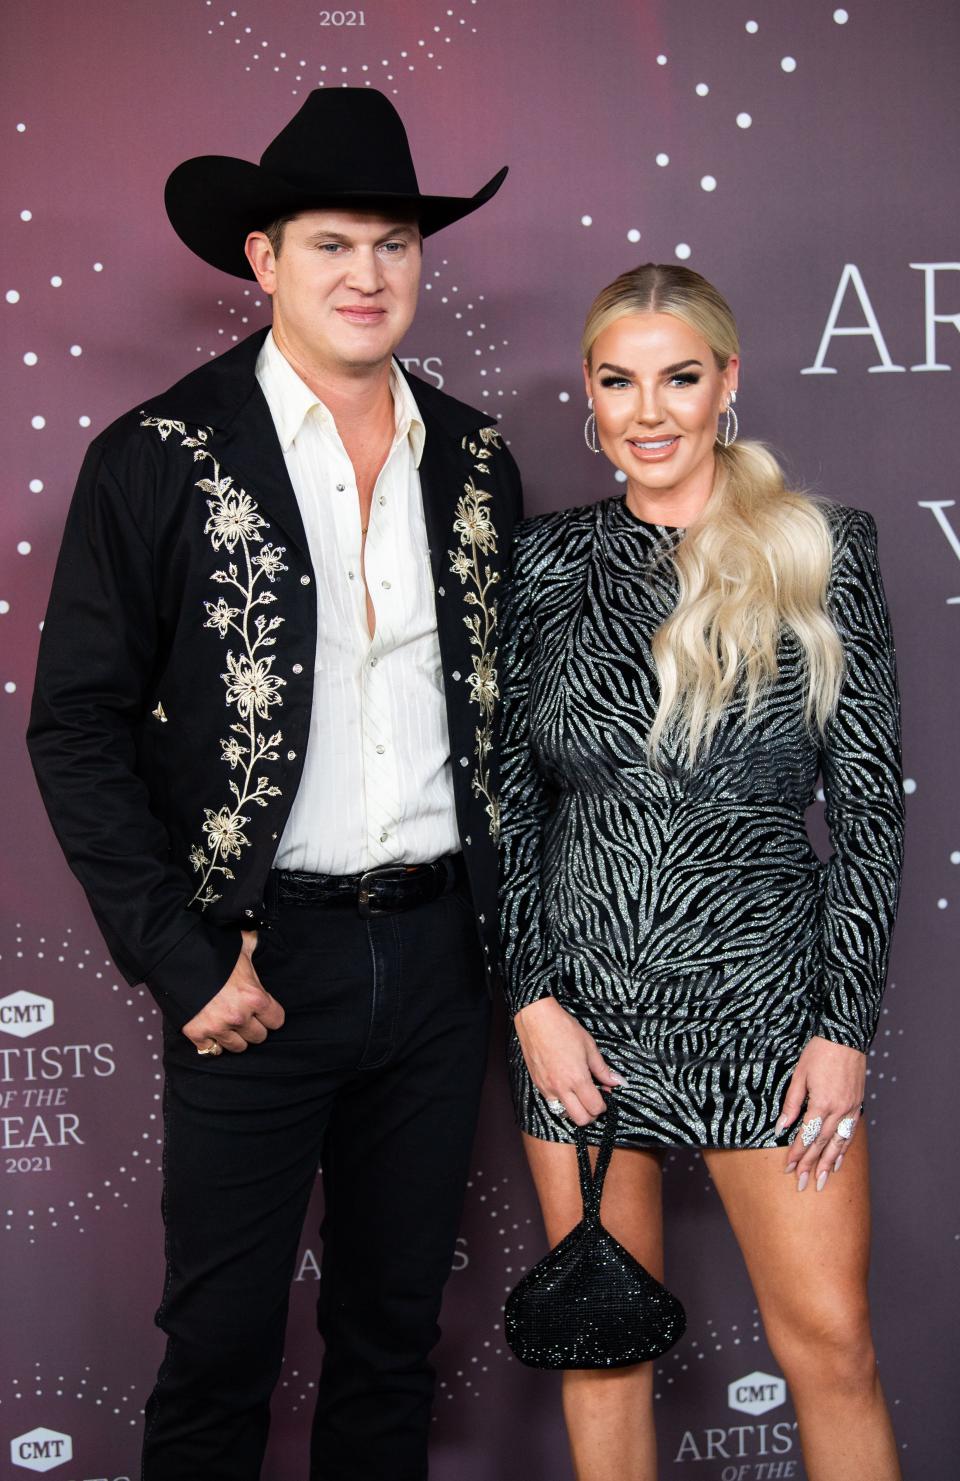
x,y
384,891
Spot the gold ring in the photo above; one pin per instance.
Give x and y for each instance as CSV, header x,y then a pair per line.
x,y
214,1048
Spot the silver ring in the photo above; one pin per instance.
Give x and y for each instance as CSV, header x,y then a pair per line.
x,y
845,1128
557,1107
810,1130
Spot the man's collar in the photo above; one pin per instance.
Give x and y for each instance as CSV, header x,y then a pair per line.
x,y
217,395
291,400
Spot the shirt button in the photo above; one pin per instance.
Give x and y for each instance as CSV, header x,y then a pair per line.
x,y
374,662
385,585
384,837
304,580
341,487
382,500
350,574
291,755
298,668
380,750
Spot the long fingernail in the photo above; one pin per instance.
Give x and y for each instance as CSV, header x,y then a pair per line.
x,y
802,1181
782,1125
789,1167
822,1181
836,1165
616,1079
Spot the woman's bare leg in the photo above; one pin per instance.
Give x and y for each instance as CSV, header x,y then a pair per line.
x,y
609,1415
808,1255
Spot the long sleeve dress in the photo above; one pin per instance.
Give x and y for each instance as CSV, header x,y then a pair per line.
x,y
681,915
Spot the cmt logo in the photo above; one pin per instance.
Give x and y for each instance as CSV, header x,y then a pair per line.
x,y
756,1393
23,1014
41,1449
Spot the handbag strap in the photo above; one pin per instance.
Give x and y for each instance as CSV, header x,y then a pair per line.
x,y
591,1180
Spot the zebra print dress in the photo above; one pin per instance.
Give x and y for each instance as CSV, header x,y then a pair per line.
x,y
681,915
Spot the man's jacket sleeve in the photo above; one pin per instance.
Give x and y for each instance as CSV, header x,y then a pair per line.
x,y
99,657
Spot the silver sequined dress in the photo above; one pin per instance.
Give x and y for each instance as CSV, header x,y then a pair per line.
x,y
681,915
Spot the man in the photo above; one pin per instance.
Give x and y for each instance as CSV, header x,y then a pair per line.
x,y
264,727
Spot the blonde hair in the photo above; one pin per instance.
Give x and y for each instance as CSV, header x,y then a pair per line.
x,y
756,561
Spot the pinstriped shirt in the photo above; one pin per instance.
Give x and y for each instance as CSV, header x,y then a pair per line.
x,y
377,784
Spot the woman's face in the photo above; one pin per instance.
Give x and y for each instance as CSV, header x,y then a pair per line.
x,y
657,393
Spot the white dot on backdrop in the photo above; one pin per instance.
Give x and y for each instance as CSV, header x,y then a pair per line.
x,y
955,856
753,27
564,396
13,296
663,159
84,421
841,17
21,128
98,267
38,422
909,785
36,485
26,215
76,350
744,120
4,607
708,183
788,64
633,235
661,60
30,358
24,547
11,688
56,281
942,904
701,89
586,220
682,250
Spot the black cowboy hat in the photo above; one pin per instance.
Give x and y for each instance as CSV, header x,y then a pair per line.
x,y
345,147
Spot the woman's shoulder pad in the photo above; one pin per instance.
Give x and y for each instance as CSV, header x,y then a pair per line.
x,y
542,529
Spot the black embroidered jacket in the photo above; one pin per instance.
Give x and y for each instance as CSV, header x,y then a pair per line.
x,y
172,702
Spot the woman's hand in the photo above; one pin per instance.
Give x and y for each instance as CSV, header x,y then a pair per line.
x,y
563,1060
830,1078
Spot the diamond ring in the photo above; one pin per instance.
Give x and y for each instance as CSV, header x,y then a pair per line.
x,y
810,1130
845,1128
557,1107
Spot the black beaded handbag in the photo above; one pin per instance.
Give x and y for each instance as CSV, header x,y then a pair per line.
x,y
589,1303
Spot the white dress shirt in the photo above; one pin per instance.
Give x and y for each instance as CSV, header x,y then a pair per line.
x,y
377,785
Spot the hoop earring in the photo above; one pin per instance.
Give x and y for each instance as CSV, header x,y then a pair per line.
x,y
731,430
590,429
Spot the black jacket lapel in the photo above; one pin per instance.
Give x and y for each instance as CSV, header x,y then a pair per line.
x,y
226,397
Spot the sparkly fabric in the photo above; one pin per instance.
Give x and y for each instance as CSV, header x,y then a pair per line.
x,y
682,916
589,1303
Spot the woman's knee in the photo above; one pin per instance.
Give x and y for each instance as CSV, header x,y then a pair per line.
x,y
826,1344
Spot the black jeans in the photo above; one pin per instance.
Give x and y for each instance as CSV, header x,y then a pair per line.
x,y
377,1071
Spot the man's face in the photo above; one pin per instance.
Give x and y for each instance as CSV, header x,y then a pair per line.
x,y
344,287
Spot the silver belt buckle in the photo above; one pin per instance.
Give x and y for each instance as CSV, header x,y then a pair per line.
x,y
366,905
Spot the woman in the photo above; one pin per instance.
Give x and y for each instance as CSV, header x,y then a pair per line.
x,y
680,665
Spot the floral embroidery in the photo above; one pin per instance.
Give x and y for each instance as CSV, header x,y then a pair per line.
x,y
252,690
478,538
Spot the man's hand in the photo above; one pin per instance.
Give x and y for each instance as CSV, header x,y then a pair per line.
x,y
242,1011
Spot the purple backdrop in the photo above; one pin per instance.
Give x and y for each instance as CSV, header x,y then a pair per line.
x,y
798,154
